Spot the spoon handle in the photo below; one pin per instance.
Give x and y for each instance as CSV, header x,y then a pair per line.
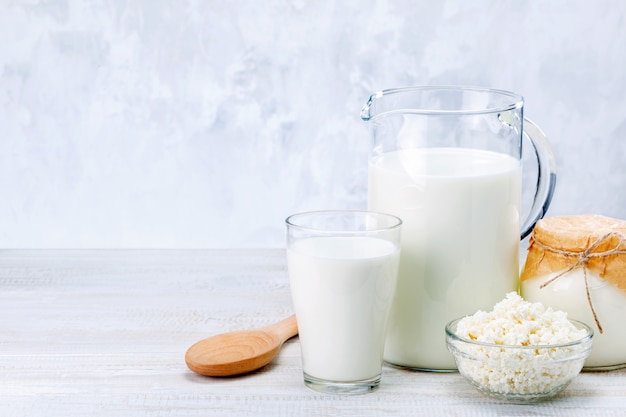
x,y
285,329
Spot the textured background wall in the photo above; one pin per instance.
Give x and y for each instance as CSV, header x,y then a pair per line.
x,y
205,123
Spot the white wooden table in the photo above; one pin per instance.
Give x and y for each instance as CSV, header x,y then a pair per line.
x,y
94,333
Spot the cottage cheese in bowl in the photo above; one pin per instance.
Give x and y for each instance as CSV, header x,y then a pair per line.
x,y
520,351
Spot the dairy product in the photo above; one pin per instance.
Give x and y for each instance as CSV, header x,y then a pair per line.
x,y
342,289
515,321
568,293
578,264
460,213
524,348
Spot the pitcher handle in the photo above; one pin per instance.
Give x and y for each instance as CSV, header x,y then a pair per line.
x,y
546,176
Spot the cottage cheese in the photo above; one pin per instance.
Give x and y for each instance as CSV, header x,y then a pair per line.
x,y
522,370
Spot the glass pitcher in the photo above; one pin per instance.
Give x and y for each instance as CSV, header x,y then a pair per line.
x,y
448,162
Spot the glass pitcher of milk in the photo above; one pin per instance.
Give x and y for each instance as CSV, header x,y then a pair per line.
x,y
448,162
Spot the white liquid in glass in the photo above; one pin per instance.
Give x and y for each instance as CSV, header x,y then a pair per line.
x,y
342,289
460,238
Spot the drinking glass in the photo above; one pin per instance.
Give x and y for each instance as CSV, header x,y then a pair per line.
x,y
343,268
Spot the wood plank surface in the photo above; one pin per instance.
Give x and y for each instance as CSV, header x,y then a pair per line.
x,y
103,333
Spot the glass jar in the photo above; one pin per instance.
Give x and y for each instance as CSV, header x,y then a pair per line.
x,y
578,264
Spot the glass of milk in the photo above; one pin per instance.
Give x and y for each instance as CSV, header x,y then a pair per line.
x,y
448,162
343,268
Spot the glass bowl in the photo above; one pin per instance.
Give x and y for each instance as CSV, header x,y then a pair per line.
x,y
519,374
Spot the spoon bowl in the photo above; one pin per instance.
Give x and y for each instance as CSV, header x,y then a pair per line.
x,y
239,352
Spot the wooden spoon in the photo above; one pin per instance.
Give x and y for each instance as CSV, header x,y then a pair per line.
x,y
241,351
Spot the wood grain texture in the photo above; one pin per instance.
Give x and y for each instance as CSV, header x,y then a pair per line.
x,y
104,333
241,351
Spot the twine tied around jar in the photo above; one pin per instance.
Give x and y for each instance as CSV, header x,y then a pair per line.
x,y
582,258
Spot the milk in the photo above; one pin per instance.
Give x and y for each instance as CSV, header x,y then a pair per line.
x,y
460,212
342,289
